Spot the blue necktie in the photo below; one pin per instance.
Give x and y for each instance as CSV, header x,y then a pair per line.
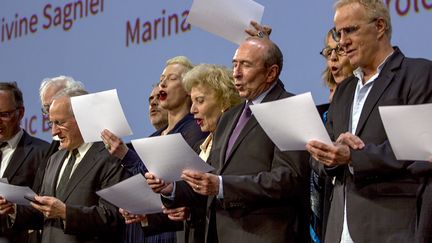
x,y
244,117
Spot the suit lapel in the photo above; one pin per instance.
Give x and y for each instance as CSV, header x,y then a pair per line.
x,y
52,172
251,123
274,94
83,168
237,110
347,107
379,86
20,154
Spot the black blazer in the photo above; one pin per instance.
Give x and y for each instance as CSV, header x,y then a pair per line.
x,y
423,170
29,154
380,195
266,193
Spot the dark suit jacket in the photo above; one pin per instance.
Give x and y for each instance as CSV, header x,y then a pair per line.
x,y
265,190
53,147
424,211
21,171
423,170
88,217
380,195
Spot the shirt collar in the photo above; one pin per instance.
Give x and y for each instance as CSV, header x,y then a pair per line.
x,y
206,142
358,72
261,97
83,148
13,142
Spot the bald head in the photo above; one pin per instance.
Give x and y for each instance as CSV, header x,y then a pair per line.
x,y
257,64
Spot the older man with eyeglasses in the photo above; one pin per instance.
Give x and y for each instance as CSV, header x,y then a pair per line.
x,y
48,89
67,208
20,154
374,196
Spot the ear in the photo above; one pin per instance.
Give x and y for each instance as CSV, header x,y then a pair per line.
x,y
21,113
381,26
273,71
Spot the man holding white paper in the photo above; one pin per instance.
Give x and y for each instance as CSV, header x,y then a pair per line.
x,y
20,154
68,209
374,196
256,192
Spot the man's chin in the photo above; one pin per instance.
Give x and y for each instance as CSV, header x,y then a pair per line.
x,y
62,145
243,94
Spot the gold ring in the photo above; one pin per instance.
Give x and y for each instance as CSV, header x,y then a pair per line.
x,y
197,187
260,34
108,146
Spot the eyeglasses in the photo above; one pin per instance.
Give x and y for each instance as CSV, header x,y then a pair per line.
x,y
347,31
45,109
327,51
59,124
7,115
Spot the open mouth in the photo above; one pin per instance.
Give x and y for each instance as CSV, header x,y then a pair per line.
x,y
153,111
199,121
238,86
162,95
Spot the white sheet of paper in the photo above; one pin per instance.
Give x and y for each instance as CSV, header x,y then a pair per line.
x,y
15,194
291,122
225,18
167,156
98,111
134,195
409,130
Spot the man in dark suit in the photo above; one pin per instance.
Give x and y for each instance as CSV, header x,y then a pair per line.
x,y
48,89
374,194
256,193
423,170
20,153
68,208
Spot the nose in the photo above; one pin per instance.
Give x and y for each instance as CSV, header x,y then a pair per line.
x,y
193,108
55,130
237,71
343,41
162,83
154,101
333,55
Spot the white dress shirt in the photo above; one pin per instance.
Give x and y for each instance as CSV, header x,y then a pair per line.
x,y
361,93
9,150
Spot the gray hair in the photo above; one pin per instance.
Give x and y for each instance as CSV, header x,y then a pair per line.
x,y
375,9
273,55
62,82
70,92
12,87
